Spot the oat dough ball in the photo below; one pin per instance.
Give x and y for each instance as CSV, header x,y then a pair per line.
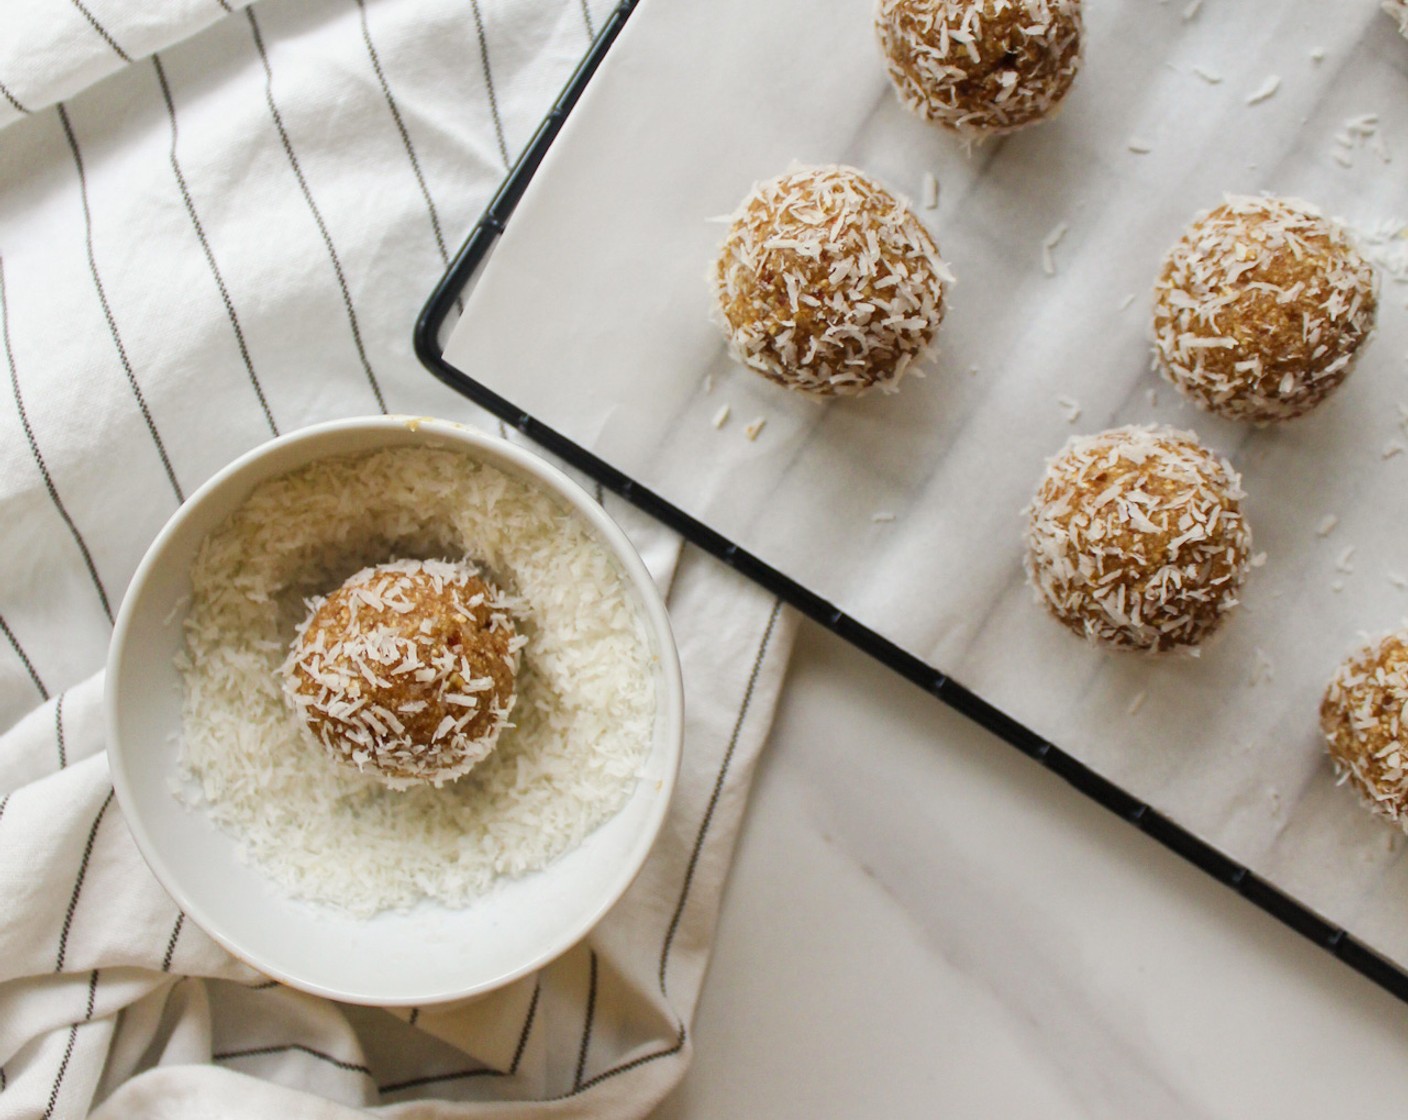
x,y
828,284
1362,716
981,67
406,671
1136,540
1261,309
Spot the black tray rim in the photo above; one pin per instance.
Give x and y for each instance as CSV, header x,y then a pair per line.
x,y
446,296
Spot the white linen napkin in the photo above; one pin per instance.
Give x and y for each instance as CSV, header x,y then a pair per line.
x,y
202,247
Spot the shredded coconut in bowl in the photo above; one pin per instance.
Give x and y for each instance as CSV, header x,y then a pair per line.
x,y
580,730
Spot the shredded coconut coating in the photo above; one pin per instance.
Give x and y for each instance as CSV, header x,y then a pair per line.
x,y
1362,717
407,670
981,67
1136,540
1261,309
829,284
1398,9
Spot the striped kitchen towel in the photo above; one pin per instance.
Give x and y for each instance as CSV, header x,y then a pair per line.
x,y
217,222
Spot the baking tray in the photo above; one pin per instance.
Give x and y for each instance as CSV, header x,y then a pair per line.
x,y
430,331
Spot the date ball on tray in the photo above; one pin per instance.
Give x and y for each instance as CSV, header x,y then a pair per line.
x,y
1136,539
406,671
981,67
1363,719
1261,309
828,284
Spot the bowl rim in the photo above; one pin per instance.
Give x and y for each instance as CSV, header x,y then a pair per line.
x,y
540,472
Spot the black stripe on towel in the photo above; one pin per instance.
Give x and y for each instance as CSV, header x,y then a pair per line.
x,y
68,1049
527,1029
19,107
678,1045
171,942
718,789
107,310
101,30
59,729
205,248
78,884
287,1048
24,657
38,456
480,1071
587,1022
405,134
489,80
313,207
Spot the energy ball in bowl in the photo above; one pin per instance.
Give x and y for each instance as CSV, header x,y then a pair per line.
x,y
1261,309
1136,540
1362,717
981,67
406,671
828,284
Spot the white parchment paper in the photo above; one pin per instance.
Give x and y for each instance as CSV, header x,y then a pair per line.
x,y
592,316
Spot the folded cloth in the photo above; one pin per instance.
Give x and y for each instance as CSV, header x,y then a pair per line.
x,y
220,229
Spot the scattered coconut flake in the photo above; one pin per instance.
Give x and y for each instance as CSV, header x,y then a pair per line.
x,y
1140,147
1136,703
1207,75
1262,668
1070,407
1052,239
1386,244
1360,132
931,190
1267,89
721,417
882,516
1398,9
1397,580
1345,563
1192,9
1153,398
1124,303
1337,586
1327,525
1392,448
1317,55
1258,560
752,430
708,382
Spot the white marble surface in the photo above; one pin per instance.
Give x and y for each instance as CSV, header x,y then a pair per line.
x,y
921,923
591,314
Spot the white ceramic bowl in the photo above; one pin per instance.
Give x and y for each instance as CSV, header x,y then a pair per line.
x,y
425,955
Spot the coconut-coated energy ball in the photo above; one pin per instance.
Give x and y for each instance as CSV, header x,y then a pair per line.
x,y
981,67
406,671
1135,538
1362,717
828,284
1261,309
